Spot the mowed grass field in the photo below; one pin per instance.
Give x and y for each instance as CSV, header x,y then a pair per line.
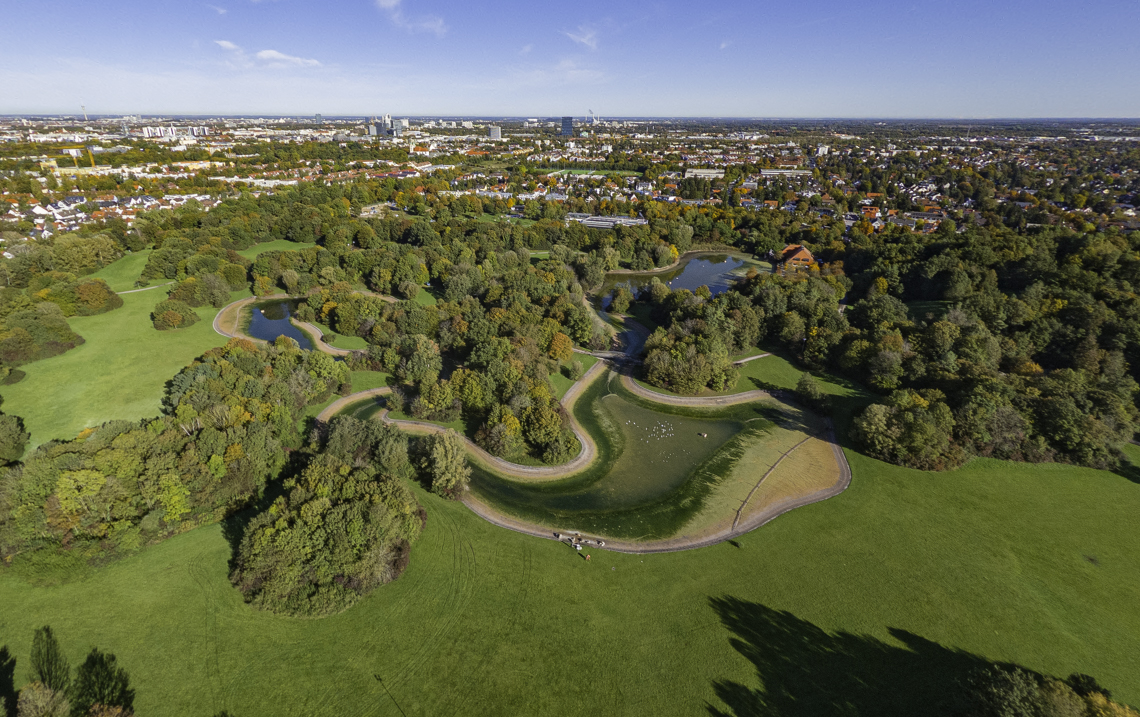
x,y
119,373
904,568
122,368
873,603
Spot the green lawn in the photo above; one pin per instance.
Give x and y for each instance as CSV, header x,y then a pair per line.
x,y
426,296
341,342
563,384
770,372
277,245
919,309
872,603
361,381
857,601
122,274
119,372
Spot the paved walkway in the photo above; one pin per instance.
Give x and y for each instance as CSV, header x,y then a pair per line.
x,y
743,361
698,401
586,453
229,325
679,542
147,288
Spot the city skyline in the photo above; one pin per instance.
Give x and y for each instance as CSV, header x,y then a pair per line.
x,y
663,59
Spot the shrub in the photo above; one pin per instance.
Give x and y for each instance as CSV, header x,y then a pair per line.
x,y
408,289
173,314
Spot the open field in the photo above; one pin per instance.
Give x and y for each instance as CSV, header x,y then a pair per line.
x,y
874,602
119,373
426,297
561,383
122,274
770,372
878,584
351,343
276,245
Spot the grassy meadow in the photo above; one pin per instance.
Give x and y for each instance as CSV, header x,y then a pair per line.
x,y
874,602
119,372
122,368
884,591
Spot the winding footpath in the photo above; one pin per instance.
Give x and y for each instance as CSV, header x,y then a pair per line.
x,y
635,338
228,320
586,454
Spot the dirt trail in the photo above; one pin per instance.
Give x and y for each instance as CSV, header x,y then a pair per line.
x,y
585,457
679,542
227,322
697,401
589,451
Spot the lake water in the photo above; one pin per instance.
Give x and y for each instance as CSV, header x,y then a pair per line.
x,y
717,271
270,319
645,484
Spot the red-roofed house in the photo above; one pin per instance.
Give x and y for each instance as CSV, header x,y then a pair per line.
x,y
796,256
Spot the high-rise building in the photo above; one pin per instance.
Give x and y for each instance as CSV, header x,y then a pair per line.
x,y
387,121
495,132
567,126
318,119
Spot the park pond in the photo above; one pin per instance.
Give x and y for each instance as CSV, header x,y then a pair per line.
x,y
716,271
656,465
661,470
270,319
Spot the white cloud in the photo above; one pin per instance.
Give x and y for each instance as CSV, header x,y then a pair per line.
x,y
265,58
215,8
526,49
281,59
725,43
424,23
585,36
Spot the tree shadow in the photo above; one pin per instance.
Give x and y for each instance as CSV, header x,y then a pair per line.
x,y
8,681
234,525
806,671
1128,470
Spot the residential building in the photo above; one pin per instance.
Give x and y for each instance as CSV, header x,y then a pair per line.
x,y
796,256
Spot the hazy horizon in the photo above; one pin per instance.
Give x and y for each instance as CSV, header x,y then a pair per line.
x,y
883,60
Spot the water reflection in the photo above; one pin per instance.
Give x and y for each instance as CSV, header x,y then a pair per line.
x,y
270,319
718,272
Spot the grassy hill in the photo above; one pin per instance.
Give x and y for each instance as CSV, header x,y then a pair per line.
x,y
873,602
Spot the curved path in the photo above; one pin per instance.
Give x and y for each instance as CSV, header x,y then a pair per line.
x,y
145,288
232,320
586,454
693,254
589,451
679,542
697,401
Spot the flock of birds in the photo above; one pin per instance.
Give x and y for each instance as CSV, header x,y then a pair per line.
x,y
658,432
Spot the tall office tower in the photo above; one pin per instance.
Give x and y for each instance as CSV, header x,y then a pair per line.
x,y
567,126
387,121
495,132
318,119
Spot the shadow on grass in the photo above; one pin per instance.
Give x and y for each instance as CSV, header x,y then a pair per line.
x,y
7,682
806,671
234,525
1130,471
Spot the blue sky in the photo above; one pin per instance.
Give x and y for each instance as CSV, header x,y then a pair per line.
x,y
882,58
